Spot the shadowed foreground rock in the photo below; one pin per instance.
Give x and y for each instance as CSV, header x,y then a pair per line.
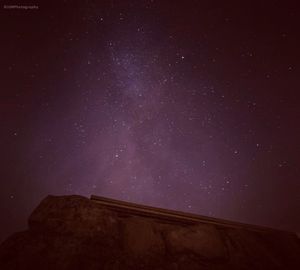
x,y
73,232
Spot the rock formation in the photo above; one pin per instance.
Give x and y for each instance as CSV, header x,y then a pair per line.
x,y
74,232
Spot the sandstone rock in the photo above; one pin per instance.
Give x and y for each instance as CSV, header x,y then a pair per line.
x,y
73,215
141,239
73,232
201,240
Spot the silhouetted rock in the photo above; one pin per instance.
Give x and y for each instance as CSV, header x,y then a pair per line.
x,y
73,232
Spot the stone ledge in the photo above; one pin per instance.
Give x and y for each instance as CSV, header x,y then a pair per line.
x,y
173,216
74,232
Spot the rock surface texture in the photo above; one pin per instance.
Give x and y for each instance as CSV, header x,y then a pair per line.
x,y
73,232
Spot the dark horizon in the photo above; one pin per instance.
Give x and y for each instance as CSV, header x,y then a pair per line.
x,y
191,106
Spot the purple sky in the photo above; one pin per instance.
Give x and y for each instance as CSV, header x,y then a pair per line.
x,y
193,107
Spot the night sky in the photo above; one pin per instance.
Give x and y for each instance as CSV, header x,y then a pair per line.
x,y
192,106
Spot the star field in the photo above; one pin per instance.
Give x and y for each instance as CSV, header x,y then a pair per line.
x,y
186,106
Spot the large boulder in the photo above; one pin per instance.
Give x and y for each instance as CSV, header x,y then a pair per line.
x,y
73,232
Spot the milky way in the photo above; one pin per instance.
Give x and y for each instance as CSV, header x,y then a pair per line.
x,y
190,107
